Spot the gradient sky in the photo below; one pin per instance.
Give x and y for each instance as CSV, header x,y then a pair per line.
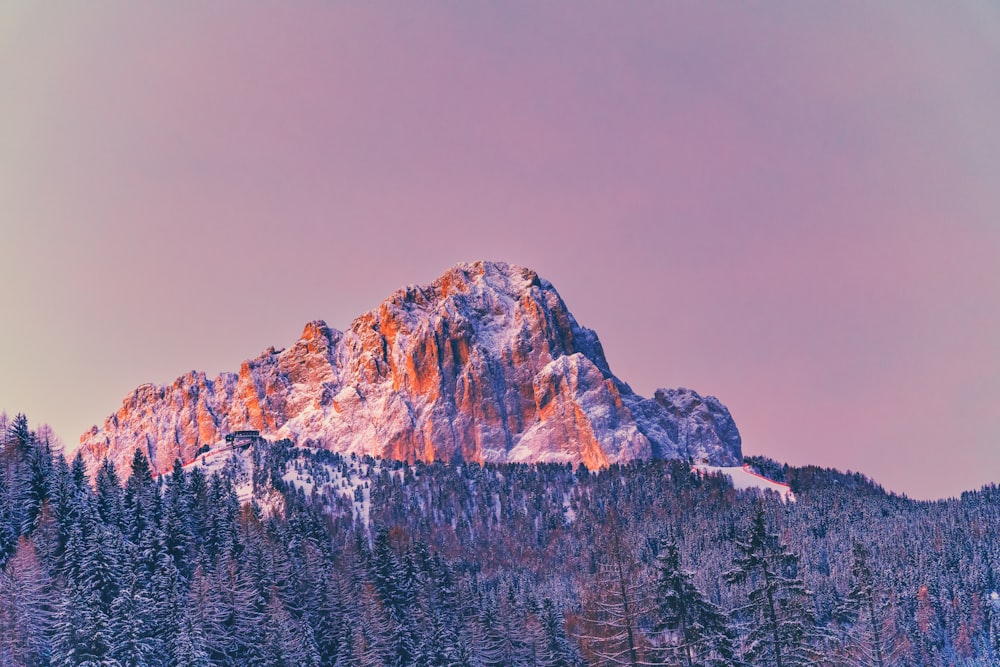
x,y
792,206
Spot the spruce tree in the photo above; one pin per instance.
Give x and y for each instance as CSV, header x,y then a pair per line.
x,y
137,500
177,533
558,651
779,616
190,648
692,630
134,637
866,608
25,612
8,522
109,494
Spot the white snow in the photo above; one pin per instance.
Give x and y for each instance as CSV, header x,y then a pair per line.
x,y
745,478
222,456
568,510
347,486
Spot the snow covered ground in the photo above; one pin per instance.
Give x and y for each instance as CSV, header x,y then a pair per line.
x,y
745,478
235,461
353,486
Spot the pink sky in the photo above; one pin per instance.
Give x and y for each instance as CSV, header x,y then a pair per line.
x,y
792,206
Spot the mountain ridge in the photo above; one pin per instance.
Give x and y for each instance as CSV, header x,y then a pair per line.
x,y
486,363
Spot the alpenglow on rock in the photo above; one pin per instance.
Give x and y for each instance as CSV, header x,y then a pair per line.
x,y
485,364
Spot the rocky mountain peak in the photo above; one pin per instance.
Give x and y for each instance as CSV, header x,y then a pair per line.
x,y
486,363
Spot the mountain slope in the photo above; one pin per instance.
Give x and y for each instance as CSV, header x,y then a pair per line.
x,y
484,364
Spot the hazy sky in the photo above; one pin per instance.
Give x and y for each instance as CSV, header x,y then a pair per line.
x,y
792,206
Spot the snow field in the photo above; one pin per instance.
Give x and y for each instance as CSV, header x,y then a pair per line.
x,y
744,477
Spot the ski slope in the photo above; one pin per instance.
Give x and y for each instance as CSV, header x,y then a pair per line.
x,y
745,478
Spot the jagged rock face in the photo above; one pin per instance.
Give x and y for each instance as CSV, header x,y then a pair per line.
x,y
697,428
484,364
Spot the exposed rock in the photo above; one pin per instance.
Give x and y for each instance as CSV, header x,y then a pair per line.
x,y
484,364
682,424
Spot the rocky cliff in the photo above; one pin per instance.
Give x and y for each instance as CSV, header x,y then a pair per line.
x,y
484,364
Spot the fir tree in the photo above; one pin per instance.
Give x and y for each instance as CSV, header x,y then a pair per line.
x,y
779,617
557,650
25,612
866,607
137,500
287,641
109,494
134,640
190,647
177,533
694,631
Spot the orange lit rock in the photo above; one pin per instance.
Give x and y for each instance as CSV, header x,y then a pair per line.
x,y
484,364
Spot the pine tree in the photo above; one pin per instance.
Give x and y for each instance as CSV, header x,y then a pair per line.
x,y
71,641
27,469
168,610
92,568
25,612
779,615
928,626
66,507
372,632
36,482
134,640
694,631
223,532
866,607
137,501
287,641
19,435
557,651
8,522
109,494
83,626
190,647
208,613
323,605
200,511
393,581
177,533
497,643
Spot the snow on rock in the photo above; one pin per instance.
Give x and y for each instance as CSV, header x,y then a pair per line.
x,y
745,478
485,364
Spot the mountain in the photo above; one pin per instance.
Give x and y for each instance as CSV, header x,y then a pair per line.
x,y
484,364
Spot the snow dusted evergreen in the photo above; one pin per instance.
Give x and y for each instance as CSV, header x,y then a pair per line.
x,y
335,560
867,613
779,619
696,632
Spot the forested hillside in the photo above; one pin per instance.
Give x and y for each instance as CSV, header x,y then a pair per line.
x,y
344,561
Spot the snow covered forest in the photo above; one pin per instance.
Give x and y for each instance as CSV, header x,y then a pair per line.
x,y
344,561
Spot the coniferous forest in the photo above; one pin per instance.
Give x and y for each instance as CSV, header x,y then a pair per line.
x,y
297,556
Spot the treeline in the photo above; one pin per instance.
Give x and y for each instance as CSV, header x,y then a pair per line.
x,y
368,562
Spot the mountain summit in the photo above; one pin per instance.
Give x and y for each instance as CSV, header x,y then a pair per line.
x,y
484,364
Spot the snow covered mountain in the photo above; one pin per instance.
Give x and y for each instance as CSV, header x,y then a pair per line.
x,y
484,364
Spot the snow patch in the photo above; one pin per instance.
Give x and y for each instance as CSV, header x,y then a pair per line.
x,y
744,477
226,460
329,480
